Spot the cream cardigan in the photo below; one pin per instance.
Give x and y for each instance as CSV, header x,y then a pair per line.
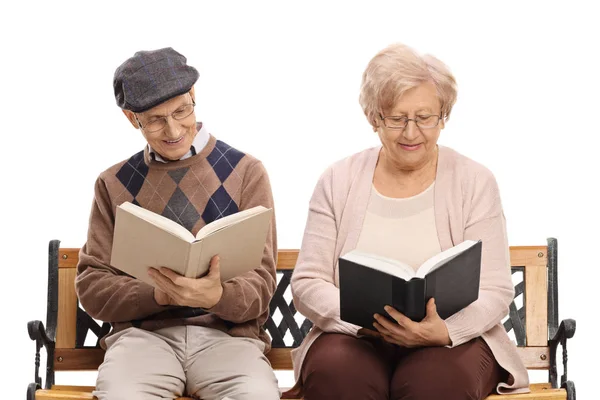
x,y
467,206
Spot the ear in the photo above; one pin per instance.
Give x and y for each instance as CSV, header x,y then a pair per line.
x,y
192,94
442,123
375,124
131,117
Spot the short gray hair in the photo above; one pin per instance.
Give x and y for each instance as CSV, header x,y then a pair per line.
x,y
398,68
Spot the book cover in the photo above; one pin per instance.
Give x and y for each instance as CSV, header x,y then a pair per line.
x,y
368,283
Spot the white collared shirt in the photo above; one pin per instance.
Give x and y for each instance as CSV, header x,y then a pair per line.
x,y
198,144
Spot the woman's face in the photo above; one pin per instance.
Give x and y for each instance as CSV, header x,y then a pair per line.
x,y
412,147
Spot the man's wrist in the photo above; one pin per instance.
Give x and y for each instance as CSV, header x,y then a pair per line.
x,y
217,297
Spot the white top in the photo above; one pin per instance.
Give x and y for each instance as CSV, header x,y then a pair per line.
x,y
401,229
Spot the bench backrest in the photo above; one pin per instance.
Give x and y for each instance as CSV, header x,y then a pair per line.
x,y
533,314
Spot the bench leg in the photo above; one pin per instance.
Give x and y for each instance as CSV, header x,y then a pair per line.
x,y
570,388
31,389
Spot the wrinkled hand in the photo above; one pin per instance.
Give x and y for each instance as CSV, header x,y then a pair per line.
x,y
174,289
431,331
162,298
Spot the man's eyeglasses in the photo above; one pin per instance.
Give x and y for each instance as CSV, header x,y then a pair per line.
x,y
155,124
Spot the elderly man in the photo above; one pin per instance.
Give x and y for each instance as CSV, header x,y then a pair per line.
x,y
198,337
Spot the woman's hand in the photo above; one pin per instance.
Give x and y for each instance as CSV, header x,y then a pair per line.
x,y
431,331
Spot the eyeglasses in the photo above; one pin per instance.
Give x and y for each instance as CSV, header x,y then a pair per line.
x,y
156,124
423,121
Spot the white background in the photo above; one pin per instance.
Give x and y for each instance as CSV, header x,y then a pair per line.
x,y
281,82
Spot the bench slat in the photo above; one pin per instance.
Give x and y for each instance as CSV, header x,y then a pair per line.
x,y
286,259
536,308
539,391
78,359
68,258
63,395
89,359
535,357
528,255
79,393
67,309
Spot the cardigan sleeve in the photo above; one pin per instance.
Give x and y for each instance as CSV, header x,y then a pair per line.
x,y
485,222
313,286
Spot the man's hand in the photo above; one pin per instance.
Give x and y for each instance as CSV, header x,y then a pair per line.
x,y
162,298
431,331
177,290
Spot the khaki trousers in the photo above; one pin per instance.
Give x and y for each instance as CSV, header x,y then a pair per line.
x,y
184,360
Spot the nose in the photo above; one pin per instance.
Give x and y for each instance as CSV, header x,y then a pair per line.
x,y
172,128
411,131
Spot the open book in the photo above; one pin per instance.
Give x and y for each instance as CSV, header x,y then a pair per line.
x,y
369,282
144,239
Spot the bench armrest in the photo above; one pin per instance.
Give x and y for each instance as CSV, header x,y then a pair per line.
x,y
37,333
565,331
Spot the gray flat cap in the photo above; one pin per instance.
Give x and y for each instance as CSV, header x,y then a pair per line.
x,y
152,77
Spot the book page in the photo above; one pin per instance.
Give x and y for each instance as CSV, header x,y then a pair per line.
x,y
159,221
439,259
380,263
240,247
231,219
139,244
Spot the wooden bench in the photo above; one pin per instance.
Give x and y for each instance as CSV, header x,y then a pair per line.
x,y
534,269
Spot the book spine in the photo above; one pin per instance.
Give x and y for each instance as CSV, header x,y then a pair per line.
x,y
194,254
398,295
414,299
430,287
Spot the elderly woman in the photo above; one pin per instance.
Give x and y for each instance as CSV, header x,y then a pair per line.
x,y
407,199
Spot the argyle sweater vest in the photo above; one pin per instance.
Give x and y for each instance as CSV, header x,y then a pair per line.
x,y
214,183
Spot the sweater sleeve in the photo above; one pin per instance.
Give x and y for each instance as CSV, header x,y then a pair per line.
x,y
486,222
247,297
103,291
313,286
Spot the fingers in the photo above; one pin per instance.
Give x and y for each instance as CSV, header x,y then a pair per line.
x,y
178,280
388,336
368,332
381,329
400,318
161,297
391,326
174,277
215,268
431,310
164,282
403,333
392,340
431,307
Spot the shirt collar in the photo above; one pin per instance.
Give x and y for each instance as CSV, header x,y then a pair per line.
x,y
198,144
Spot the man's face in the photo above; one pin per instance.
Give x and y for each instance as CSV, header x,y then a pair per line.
x,y
168,128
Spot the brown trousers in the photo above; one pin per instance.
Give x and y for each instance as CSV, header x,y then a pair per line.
x,y
342,367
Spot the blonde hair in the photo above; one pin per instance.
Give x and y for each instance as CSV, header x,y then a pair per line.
x,y
396,69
